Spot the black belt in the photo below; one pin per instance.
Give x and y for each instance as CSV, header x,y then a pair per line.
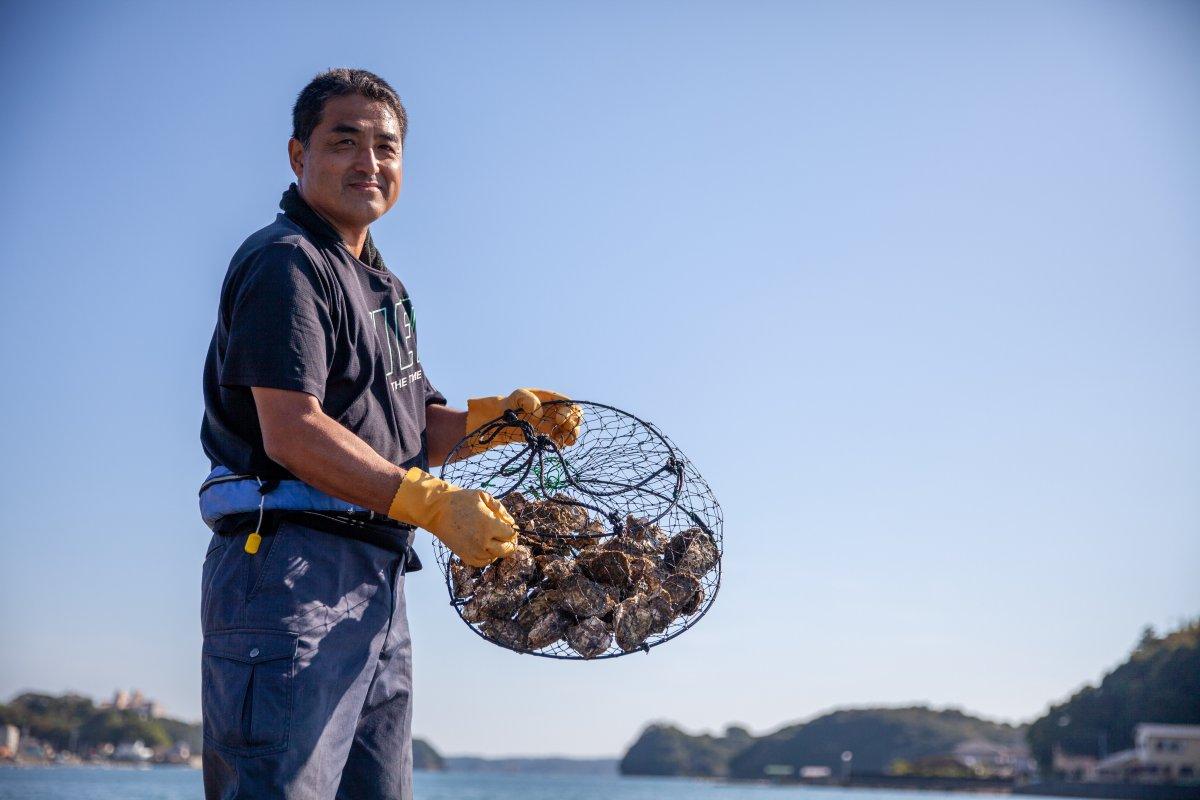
x,y
367,527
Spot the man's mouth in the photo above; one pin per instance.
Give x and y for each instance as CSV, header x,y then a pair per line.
x,y
366,186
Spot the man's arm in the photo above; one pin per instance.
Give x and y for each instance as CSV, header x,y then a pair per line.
x,y
322,453
444,428
298,435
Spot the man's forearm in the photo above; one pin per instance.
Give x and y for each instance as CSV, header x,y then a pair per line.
x,y
444,428
322,453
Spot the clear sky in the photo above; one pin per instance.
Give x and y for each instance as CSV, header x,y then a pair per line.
x,y
915,285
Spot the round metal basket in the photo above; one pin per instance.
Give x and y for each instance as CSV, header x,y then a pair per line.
x,y
619,537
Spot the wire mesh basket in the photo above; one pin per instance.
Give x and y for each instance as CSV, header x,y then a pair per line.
x,y
619,537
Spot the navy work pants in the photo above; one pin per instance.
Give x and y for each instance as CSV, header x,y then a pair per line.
x,y
307,671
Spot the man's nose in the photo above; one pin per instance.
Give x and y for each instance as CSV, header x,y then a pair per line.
x,y
365,161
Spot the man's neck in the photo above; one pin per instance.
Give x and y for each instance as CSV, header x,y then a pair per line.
x,y
353,238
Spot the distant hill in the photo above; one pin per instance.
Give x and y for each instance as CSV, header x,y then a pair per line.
x,y
542,766
876,736
1159,682
74,722
666,750
425,757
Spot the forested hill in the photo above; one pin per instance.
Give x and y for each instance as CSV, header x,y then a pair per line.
x,y
666,750
1160,682
876,736
425,757
73,722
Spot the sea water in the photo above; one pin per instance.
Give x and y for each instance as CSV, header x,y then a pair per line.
x,y
177,783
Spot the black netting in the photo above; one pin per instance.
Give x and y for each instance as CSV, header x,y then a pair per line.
x,y
619,537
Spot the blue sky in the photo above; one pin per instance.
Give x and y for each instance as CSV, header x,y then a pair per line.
x,y
915,285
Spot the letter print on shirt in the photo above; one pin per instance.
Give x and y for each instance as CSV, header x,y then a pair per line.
x,y
394,329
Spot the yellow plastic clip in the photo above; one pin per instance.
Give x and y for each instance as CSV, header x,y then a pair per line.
x,y
252,542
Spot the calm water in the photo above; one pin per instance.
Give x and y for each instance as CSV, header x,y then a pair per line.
x,y
88,783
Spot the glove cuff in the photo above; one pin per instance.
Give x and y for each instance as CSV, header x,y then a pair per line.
x,y
414,499
481,410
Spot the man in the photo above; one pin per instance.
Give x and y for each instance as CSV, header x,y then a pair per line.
x,y
320,422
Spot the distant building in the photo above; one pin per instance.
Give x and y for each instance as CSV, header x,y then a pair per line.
x,y
1072,768
1160,754
179,753
988,759
10,740
132,752
137,702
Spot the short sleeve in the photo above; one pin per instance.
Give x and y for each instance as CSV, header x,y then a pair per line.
x,y
280,325
432,395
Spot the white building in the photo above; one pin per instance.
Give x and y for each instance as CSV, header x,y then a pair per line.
x,y
10,740
1160,754
988,758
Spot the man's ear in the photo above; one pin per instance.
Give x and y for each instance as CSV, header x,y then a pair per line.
x,y
296,157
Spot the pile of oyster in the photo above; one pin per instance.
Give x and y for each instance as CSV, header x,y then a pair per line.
x,y
571,579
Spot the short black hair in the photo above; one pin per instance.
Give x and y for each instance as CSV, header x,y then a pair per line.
x,y
310,104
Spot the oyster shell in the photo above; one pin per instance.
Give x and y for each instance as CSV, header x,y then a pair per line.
x,y
693,603
554,568
517,565
547,630
539,603
632,620
607,566
463,578
507,632
659,605
494,601
647,536
680,588
692,552
648,575
583,597
589,638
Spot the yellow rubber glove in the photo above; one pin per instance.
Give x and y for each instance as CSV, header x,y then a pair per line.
x,y
471,522
560,422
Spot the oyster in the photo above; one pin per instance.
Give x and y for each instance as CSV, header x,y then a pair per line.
x,y
692,552
463,578
541,545
693,603
567,516
647,536
540,603
659,605
547,630
507,632
516,505
554,568
589,638
647,574
626,545
583,597
495,601
632,620
607,566
517,565
680,588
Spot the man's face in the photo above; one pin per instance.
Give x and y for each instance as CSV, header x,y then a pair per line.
x,y
353,165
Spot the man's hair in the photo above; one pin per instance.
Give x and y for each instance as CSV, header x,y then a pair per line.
x,y
306,114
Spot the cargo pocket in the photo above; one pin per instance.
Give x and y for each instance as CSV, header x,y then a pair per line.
x,y
247,690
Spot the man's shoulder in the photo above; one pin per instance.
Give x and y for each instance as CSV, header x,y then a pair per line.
x,y
274,252
283,237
